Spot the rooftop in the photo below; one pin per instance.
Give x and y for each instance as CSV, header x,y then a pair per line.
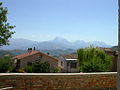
x,y
70,56
25,54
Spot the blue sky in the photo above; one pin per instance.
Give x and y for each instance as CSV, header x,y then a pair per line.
x,y
41,20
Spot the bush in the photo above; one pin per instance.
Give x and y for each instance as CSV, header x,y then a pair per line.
x,y
28,69
93,60
5,64
55,70
41,67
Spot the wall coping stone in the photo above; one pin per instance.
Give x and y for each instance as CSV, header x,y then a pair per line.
x,y
55,74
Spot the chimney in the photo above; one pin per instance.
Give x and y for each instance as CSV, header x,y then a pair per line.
x,y
34,48
48,53
29,50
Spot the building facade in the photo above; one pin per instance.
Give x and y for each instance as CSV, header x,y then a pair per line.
x,y
31,56
68,63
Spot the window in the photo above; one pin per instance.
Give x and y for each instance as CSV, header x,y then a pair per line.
x,y
61,63
73,65
29,63
18,64
68,64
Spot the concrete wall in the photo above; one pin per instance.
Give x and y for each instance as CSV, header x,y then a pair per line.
x,y
60,81
63,67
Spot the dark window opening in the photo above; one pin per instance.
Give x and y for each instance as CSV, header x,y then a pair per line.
x,y
68,64
29,63
18,64
73,65
61,63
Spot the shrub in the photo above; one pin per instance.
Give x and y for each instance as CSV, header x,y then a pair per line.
x,y
28,69
93,60
5,64
55,70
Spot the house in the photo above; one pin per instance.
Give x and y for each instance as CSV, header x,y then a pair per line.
x,y
33,55
68,63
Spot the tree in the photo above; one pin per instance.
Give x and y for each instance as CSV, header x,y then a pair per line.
x,y
5,64
5,27
93,60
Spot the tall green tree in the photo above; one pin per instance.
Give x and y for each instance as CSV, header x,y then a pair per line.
x,y
5,27
93,60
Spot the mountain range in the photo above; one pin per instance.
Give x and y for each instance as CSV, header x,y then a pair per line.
x,y
56,43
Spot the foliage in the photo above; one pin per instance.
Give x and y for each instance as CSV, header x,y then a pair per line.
x,y
55,70
5,27
5,64
28,69
38,67
41,67
93,60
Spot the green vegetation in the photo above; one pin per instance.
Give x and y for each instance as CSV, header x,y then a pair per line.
x,y
55,70
93,60
5,27
40,67
28,69
5,64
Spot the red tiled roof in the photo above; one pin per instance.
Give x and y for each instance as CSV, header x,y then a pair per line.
x,y
32,53
25,55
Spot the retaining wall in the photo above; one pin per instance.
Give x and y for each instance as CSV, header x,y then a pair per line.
x,y
59,81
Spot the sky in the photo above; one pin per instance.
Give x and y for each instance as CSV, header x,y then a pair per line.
x,y
42,20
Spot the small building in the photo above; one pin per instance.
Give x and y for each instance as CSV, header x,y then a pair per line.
x,y
31,56
68,63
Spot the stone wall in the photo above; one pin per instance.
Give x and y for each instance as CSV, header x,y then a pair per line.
x,y
59,81
39,56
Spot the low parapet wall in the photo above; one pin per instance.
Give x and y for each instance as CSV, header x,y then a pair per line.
x,y
59,81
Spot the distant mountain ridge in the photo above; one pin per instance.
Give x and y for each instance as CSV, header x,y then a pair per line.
x,y
57,43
